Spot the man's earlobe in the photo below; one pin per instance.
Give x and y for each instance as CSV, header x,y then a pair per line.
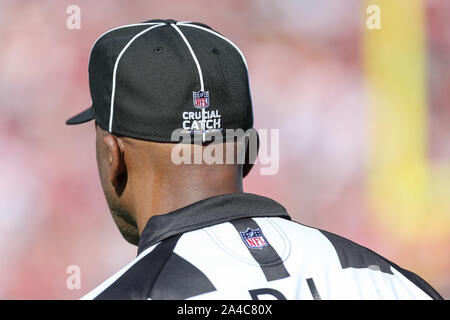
x,y
117,168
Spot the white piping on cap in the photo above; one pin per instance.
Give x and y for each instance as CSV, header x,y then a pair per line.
x,y
200,75
116,28
115,70
216,34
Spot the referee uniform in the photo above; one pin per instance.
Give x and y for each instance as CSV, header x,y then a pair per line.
x,y
245,246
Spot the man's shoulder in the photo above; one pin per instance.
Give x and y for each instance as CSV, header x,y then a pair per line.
x,y
352,255
132,281
184,266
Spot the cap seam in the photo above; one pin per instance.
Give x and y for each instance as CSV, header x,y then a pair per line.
x,y
194,56
197,63
116,64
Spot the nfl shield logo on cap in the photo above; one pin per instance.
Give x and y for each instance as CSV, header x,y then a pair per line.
x,y
201,99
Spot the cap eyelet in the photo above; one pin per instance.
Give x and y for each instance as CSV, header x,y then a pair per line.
x,y
158,50
215,51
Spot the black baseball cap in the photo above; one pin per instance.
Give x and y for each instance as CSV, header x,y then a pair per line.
x,y
149,79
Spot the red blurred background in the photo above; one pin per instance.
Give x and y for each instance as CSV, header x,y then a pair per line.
x,y
307,76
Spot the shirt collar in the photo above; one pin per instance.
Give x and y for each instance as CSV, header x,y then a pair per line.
x,y
208,212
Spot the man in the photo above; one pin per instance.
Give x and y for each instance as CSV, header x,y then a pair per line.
x,y
199,236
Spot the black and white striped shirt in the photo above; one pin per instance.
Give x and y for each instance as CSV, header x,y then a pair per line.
x,y
245,246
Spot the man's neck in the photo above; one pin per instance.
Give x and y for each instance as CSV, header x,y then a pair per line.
x,y
164,194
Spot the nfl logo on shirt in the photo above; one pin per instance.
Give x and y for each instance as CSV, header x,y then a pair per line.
x,y
254,239
201,99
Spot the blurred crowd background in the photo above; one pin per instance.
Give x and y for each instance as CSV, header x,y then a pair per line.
x,y
315,73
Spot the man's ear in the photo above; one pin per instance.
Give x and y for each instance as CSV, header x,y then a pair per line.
x,y
117,169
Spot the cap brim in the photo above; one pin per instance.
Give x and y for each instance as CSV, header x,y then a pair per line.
x,y
82,117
